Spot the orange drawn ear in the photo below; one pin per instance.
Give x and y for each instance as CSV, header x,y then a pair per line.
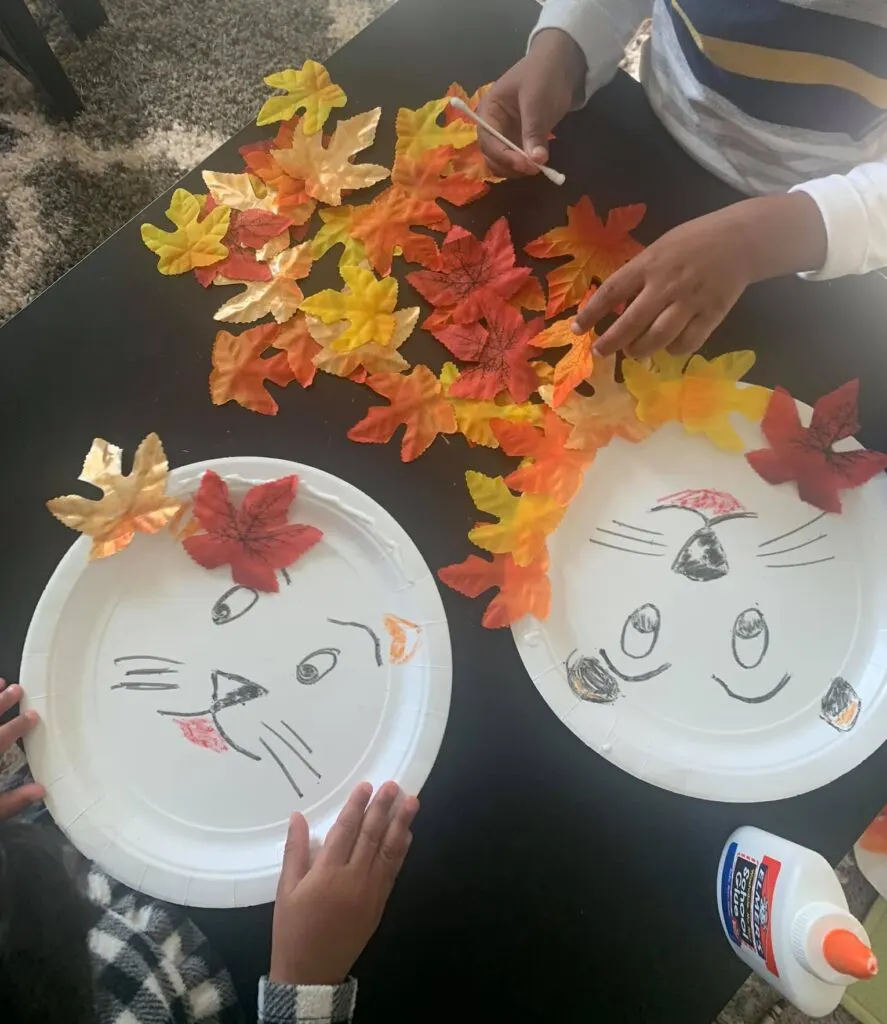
x,y
405,637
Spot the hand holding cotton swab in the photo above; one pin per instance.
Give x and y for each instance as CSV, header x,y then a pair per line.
x,y
463,107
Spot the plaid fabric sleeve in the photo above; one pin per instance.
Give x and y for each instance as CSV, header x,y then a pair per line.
x,y
306,1004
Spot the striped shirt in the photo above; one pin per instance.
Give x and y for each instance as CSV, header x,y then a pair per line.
x,y
769,95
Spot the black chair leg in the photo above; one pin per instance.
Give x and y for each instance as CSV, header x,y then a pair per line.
x,y
84,16
35,56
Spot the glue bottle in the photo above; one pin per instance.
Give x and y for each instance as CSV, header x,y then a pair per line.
x,y
786,916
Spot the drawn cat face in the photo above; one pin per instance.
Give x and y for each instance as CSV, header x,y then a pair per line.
x,y
222,685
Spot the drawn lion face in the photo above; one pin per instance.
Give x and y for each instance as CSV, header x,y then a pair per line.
x,y
229,690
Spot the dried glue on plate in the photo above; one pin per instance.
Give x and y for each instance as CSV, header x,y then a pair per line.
x,y
786,916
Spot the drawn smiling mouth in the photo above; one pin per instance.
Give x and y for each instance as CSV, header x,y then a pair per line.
x,y
754,700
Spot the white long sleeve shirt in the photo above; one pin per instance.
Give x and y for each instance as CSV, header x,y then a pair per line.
x,y
769,95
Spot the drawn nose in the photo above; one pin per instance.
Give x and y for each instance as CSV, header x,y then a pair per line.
x,y
702,559
230,689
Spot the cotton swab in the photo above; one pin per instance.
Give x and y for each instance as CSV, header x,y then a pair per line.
x,y
549,172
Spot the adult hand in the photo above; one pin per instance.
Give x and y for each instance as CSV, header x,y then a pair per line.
x,y
683,285
325,914
529,100
16,800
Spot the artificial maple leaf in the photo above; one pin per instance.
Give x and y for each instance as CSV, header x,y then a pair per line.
x,y
419,131
501,350
469,272
384,228
366,303
195,242
474,416
294,338
610,412
576,365
530,296
256,539
596,251
137,503
468,161
326,170
338,223
287,193
429,177
238,191
417,402
239,371
371,357
550,467
806,454
524,522
253,229
280,296
239,265
523,590
310,89
701,395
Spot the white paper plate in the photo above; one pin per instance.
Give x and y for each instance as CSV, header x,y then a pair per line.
x,y
285,709
653,628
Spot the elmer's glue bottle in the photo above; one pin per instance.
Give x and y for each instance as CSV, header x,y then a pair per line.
x,y
786,916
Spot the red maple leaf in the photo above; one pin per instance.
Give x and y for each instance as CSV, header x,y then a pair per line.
x,y
470,271
806,455
239,265
523,590
552,468
501,350
253,228
416,401
256,539
248,230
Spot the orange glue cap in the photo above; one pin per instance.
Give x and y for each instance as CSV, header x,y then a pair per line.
x,y
849,954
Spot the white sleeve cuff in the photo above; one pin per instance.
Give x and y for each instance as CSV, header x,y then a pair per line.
x,y
854,210
601,32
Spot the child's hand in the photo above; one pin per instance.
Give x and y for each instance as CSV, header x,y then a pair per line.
x,y
325,914
684,284
16,800
529,100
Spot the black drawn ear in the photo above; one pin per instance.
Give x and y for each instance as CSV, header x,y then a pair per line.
x,y
589,679
702,558
841,705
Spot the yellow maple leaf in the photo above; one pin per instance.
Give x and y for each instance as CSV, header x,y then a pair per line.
x,y
280,296
366,302
418,130
239,191
524,521
308,88
610,412
374,358
195,242
473,415
326,170
337,224
700,395
129,504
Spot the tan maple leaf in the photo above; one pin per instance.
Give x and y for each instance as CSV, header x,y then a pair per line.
x,y
130,504
239,191
326,170
280,296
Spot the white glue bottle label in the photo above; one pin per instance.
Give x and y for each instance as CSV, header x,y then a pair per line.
x,y
786,916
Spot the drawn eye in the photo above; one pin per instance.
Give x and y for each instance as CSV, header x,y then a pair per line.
x,y
641,631
314,666
233,603
751,638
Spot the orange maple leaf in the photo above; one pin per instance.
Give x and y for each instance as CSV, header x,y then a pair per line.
x,y
523,589
296,341
470,160
596,250
384,225
417,402
239,371
428,177
573,368
610,412
290,195
550,467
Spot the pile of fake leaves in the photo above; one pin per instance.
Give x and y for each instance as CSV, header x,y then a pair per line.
x,y
529,386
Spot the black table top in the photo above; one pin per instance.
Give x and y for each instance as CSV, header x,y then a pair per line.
x,y
544,883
